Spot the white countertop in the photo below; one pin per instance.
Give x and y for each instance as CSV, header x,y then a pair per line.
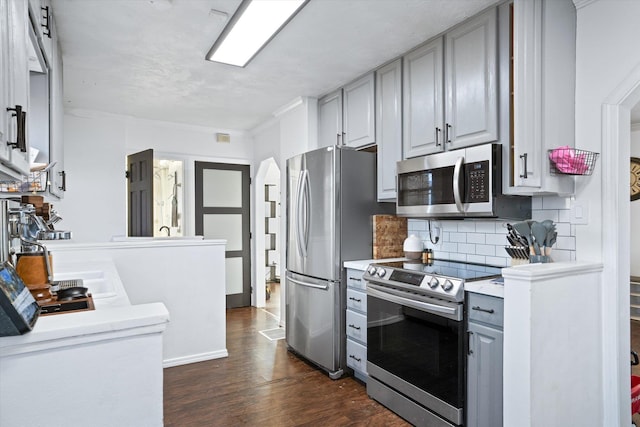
x,y
113,315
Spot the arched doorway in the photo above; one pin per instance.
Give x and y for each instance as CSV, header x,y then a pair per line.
x,y
268,237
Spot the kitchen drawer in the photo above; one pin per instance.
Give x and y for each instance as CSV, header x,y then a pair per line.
x,y
485,309
356,356
357,326
354,279
357,300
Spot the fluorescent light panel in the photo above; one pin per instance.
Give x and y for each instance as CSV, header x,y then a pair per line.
x,y
252,26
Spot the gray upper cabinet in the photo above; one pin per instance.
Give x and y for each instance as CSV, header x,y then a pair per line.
x,y
451,89
346,116
330,119
388,127
423,114
471,82
359,121
543,116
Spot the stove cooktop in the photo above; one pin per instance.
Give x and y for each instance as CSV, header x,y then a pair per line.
x,y
440,279
460,270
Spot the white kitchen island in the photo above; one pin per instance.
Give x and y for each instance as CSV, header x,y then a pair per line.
x,y
186,274
100,368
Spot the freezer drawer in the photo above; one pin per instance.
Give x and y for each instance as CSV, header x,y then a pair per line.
x,y
314,321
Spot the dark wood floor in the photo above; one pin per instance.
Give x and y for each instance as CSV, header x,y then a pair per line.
x,y
261,383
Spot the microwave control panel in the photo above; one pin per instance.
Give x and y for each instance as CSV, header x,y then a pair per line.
x,y
477,182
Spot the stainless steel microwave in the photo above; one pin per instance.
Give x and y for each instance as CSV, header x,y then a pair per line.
x,y
463,183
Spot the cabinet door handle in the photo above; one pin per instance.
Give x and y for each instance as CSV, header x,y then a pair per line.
x,y
469,350
357,359
357,328
22,132
438,130
486,310
447,133
524,158
63,187
46,18
17,113
355,279
355,299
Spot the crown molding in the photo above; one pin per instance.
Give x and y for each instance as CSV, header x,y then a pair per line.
x,y
579,4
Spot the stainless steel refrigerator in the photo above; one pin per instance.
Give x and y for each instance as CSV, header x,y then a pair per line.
x,y
331,196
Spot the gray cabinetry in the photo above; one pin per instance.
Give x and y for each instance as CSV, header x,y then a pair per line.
x,y
330,119
346,116
484,361
544,35
451,89
388,127
356,323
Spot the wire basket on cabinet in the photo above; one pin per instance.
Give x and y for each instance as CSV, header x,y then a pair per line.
x,y
571,161
35,182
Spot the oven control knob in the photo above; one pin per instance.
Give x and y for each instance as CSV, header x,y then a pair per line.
x,y
447,285
433,283
381,272
372,271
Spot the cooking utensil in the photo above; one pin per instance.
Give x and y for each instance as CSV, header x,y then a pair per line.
x,y
524,231
551,239
72,293
539,233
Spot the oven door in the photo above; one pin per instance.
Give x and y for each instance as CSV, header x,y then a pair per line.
x,y
416,346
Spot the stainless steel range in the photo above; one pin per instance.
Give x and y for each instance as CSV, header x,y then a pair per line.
x,y
416,346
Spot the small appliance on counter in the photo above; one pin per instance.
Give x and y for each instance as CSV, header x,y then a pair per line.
x,y
24,225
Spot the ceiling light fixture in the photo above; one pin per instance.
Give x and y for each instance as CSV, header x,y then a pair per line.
x,y
253,25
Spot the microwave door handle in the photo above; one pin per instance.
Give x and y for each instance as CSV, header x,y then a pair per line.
x,y
457,194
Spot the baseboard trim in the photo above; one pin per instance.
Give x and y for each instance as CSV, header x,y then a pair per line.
x,y
177,361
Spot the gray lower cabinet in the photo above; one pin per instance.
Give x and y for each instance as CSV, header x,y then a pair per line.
x,y
484,361
356,323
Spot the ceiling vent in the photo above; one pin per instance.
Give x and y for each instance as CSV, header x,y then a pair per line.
x,y
223,137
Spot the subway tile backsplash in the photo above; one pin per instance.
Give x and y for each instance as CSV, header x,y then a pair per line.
x,y
483,240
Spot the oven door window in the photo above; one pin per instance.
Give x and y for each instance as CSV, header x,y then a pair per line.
x,y
426,188
423,349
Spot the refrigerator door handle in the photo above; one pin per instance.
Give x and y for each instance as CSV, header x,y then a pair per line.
x,y
307,211
298,214
307,284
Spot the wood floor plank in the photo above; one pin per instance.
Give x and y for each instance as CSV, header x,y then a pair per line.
x,y
261,383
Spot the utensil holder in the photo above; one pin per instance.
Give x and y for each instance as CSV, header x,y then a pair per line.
x,y
535,259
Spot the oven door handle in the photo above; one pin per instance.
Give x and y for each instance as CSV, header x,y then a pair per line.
x,y
418,305
457,194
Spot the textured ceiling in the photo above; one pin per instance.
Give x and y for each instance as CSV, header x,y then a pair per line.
x,y
145,58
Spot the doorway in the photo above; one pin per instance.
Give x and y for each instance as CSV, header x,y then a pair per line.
x,y
222,211
268,250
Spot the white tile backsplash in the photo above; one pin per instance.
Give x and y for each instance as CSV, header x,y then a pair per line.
x,y
483,241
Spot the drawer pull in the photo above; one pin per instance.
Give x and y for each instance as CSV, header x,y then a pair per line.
x,y
478,308
357,359
355,299
355,279
357,328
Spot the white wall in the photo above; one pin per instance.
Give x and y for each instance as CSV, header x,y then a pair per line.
x,y
607,53
96,146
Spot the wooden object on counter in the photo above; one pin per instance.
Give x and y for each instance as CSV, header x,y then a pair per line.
x,y
32,269
389,232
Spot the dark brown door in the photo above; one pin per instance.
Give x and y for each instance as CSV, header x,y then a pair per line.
x,y
222,212
140,193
